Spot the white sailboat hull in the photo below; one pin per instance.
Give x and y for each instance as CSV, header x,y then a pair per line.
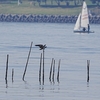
x,y
80,31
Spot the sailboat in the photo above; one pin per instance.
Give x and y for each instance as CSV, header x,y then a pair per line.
x,y
82,24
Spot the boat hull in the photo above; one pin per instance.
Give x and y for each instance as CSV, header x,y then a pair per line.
x,y
83,31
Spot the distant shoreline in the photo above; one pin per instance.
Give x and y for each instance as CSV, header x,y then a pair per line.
x,y
44,18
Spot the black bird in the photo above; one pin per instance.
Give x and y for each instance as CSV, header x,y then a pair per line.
x,y
41,46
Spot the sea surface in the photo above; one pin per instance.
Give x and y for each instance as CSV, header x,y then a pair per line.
x,y
72,49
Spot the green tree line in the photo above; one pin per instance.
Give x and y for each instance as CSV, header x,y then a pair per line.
x,y
67,2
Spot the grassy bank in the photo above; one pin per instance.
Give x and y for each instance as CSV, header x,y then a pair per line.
x,y
29,8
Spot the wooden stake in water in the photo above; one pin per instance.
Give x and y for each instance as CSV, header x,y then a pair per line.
x,y
58,71
27,61
40,69
88,64
6,81
51,70
12,75
43,67
42,47
6,68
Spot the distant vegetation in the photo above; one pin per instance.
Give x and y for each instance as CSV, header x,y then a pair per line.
x,y
59,7
54,2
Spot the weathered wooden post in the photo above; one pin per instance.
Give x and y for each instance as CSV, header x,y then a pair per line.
x,y
51,70
58,71
6,67
88,65
12,75
27,61
6,81
40,69
43,67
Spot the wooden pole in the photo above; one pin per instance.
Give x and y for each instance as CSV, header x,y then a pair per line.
x,y
43,67
6,68
6,81
88,64
51,70
12,75
58,71
27,61
40,69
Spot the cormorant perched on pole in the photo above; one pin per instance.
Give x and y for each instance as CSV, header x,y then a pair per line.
x,y
41,46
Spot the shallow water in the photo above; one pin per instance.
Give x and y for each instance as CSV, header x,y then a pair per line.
x,y
73,49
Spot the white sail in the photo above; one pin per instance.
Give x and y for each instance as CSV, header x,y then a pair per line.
x,y
82,23
84,16
78,23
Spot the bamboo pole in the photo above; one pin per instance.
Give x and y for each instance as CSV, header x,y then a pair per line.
x,y
88,64
12,75
40,69
43,68
51,70
27,61
6,67
58,71
6,81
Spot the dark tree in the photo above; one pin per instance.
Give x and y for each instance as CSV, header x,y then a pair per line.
x,y
39,2
95,1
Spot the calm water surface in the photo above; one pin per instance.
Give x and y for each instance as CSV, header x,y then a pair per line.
x,y
73,49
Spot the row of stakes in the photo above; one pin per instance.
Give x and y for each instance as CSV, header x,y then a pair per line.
x,y
41,69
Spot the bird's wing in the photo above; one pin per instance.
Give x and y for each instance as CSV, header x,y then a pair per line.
x,y
45,46
39,45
